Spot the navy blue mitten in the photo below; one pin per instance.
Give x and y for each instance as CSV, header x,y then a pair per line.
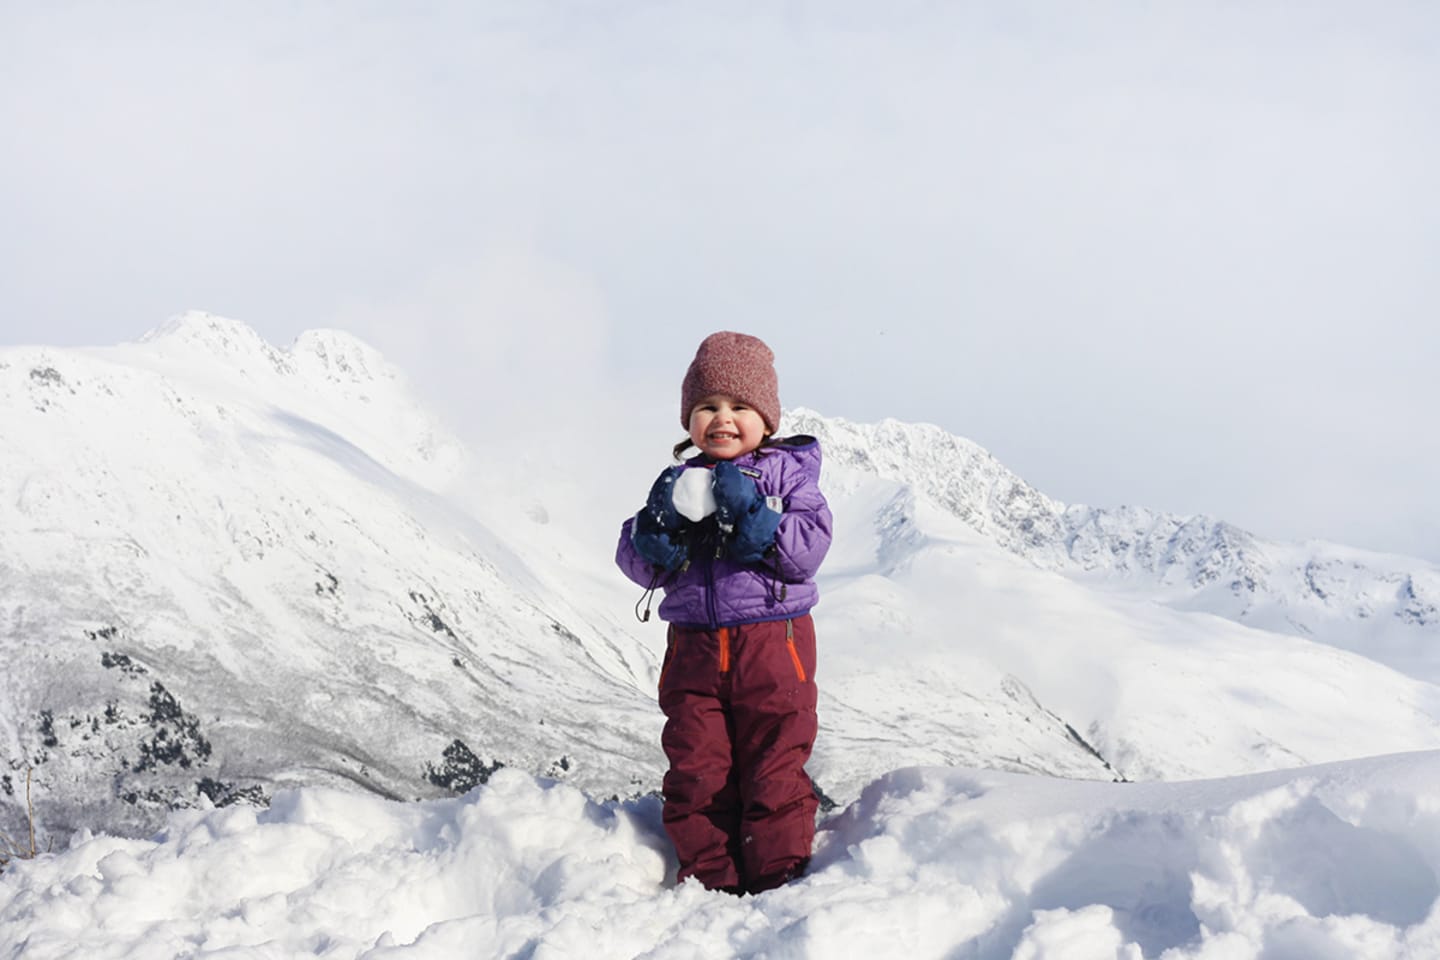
x,y
743,514
658,529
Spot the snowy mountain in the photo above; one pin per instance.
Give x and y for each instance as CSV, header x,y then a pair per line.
x,y
227,569
224,569
1386,607
1155,666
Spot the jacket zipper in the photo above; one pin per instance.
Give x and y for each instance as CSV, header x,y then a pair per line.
x,y
712,609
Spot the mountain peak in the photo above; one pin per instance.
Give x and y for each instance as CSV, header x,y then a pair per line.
x,y
342,356
196,336
323,354
201,328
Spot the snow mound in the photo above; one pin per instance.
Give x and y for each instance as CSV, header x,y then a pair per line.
x,y
1333,861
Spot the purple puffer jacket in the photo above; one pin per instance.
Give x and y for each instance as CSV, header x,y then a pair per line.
x,y
712,592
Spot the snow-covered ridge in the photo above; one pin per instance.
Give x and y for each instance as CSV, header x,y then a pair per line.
x,y
203,359
954,473
319,355
209,333
1314,589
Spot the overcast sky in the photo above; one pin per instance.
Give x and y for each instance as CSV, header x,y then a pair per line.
x,y
1178,255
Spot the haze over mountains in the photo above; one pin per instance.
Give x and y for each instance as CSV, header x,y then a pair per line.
x,y
228,568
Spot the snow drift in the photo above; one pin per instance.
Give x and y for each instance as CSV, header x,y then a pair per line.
x,y
1333,861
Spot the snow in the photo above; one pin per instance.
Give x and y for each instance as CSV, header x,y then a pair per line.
x,y
1339,860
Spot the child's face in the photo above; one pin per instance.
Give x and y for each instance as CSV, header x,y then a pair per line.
x,y
724,428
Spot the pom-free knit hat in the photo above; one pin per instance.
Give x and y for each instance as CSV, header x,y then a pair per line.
x,y
737,365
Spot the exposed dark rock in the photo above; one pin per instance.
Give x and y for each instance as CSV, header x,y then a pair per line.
x,y
121,662
184,747
461,770
226,794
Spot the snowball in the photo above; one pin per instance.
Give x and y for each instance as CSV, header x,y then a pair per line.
x,y
693,494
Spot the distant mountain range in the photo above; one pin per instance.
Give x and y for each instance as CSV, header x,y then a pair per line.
x,y
227,568
1384,605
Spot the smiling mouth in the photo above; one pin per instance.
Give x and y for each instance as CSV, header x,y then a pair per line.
x,y
721,437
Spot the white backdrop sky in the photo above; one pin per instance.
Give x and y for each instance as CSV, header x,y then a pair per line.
x,y
1176,255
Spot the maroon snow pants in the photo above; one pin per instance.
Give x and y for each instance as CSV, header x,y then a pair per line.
x,y
740,723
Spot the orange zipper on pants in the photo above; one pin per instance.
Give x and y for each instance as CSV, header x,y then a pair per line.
x,y
724,649
794,654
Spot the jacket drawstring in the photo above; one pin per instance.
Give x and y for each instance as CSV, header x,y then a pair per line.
x,y
649,595
775,580
646,598
658,579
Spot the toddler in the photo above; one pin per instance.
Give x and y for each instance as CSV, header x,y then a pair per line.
x,y
734,536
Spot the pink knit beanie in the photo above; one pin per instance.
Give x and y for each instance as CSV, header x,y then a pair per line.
x,y
737,365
